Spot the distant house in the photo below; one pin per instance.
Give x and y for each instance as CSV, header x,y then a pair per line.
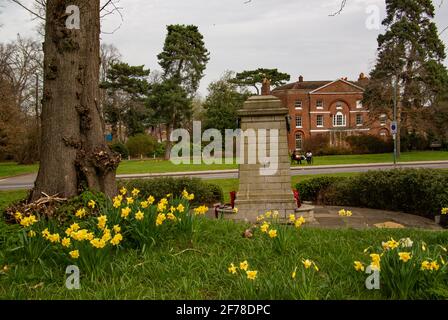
x,y
330,108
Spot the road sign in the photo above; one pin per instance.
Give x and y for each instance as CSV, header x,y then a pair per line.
x,y
394,127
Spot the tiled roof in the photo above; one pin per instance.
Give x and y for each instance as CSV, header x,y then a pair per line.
x,y
313,85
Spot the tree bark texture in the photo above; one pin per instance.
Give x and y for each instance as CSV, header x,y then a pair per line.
x,y
74,152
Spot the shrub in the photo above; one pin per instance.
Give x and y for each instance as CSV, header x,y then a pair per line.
x,y
141,144
309,189
120,148
418,191
205,193
365,144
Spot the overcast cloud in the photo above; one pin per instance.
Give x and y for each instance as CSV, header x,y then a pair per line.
x,y
295,36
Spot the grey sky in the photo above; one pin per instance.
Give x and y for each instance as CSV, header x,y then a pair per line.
x,y
295,36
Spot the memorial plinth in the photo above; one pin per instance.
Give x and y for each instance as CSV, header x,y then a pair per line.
x,y
260,193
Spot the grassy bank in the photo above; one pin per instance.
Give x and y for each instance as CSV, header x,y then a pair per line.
x,y
157,166
177,270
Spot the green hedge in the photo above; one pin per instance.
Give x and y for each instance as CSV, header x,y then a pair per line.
x,y
205,193
419,191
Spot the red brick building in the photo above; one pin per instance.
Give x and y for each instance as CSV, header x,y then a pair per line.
x,y
328,108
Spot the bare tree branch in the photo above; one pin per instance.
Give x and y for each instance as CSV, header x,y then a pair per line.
x,y
343,3
27,9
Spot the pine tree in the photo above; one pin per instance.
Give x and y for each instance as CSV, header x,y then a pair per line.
x,y
409,62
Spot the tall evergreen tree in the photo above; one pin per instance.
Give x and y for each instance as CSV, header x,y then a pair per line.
x,y
409,63
184,56
254,78
127,86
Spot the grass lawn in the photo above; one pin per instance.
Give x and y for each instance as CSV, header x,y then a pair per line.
x,y
8,197
8,169
175,269
157,166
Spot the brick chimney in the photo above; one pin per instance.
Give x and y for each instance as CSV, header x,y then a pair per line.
x,y
301,79
266,87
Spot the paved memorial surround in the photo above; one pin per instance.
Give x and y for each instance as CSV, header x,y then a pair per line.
x,y
327,217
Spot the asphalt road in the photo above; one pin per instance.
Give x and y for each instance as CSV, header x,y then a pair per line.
x,y
27,181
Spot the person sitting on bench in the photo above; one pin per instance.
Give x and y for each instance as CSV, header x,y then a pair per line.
x,y
296,157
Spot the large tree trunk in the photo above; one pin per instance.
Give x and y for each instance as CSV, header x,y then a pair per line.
x,y
74,152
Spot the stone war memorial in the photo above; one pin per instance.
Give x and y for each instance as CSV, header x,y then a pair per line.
x,y
271,191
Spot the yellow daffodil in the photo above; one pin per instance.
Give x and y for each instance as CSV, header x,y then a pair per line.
x,y
144,204
244,265
45,233
435,266
135,192
273,234
106,235
202,210
268,214
161,206
275,214
117,228
18,216
292,218
125,212
168,195
102,220
359,266
66,242
28,221
54,238
180,208
81,213
98,243
404,256
116,203
31,234
151,200
307,263
91,204
376,259
161,217
342,212
294,273
129,200
264,227
235,210
251,275
123,191
232,269
445,211
116,239
171,216
74,254
139,215
260,218
423,246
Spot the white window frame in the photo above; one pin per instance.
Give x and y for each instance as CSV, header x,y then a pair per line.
x,y
359,117
383,120
297,121
319,104
296,105
297,135
320,116
339,116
